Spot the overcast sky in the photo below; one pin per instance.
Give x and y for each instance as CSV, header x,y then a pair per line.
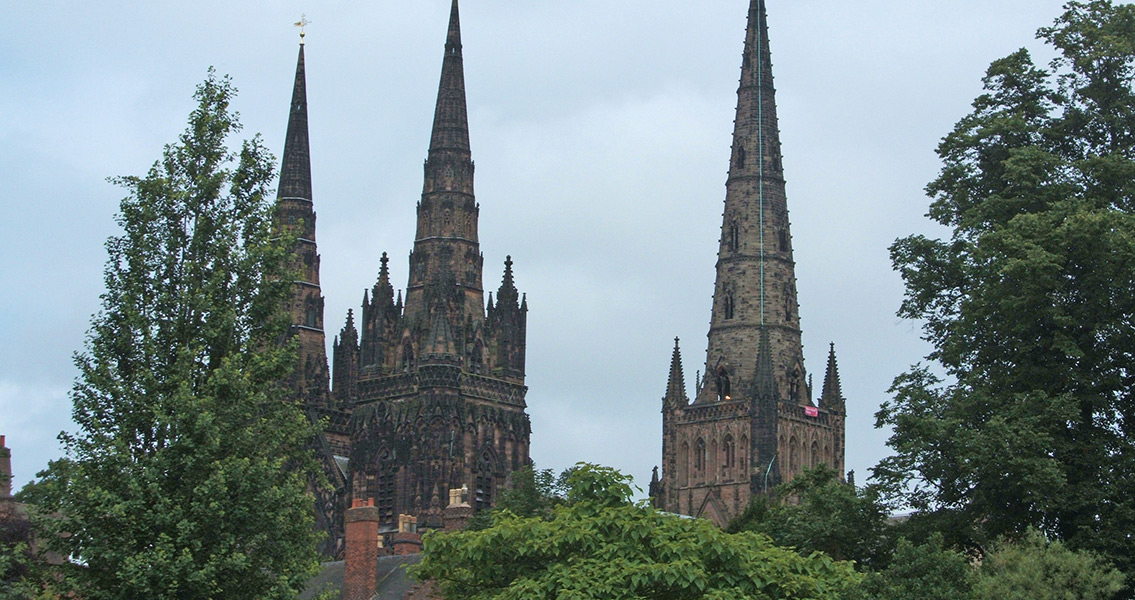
x,y
601,131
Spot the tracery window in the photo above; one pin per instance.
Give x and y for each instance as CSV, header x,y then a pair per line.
x,y
729,452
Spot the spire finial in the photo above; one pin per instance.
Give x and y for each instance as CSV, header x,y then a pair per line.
x,y
302,24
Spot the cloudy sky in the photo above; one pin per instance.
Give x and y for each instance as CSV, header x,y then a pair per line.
x,y
601,132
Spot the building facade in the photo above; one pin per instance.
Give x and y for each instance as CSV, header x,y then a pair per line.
x,y
428,392
752,422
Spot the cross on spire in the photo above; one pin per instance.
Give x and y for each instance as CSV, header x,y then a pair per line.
x,y
302,24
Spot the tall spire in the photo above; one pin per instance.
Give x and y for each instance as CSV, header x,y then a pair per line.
x,y
756,281
295,170
451,122
295,211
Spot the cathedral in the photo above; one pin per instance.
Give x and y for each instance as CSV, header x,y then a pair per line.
x,y
428,391
752,422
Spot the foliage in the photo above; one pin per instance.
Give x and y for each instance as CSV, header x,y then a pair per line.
x,y
531,492
182,481
815,512
1028,417
601,545
1034,569
930,571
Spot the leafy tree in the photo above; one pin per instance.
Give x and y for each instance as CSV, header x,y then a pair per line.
x,y
179,482
601,545
1028,417
929,571
1035,569
815,512
531,492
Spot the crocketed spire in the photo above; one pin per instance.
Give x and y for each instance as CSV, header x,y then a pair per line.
x,y
295,170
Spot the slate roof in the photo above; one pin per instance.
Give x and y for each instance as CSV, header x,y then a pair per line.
x,y
393,581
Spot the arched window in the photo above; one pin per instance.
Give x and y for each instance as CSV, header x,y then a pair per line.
x,y
793,456
729,453
485,481
407,355
684,465
740,157
310,314
477,357
380,486
723,387
699,455
729,306
816,459
734,237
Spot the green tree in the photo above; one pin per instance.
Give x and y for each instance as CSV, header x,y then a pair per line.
x,y
181,481
531,492
816,512
1028,417
601,545
1035,569
929,571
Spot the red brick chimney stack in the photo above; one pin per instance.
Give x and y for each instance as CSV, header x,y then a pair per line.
x,y
360,579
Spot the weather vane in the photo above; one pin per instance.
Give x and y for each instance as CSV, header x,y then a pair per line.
x,y
302,24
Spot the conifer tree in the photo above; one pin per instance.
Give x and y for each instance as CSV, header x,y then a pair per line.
x,y
182,480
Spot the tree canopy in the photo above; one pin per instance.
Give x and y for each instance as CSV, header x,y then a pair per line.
x,y
1026,416
181,480
601,545
815,512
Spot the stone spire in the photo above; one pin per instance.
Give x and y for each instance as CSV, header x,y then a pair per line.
x,y
447,255
296,212
756,281
832,396
451,122
676,384
295,170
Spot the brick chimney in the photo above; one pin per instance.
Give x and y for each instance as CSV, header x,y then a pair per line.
x,y
360,581
5,470
458,513
407,540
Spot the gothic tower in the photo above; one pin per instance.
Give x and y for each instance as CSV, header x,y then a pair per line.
x,y
752,422
296,212
435,383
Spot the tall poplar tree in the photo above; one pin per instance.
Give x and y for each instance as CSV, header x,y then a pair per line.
x,y
182,480
1028,417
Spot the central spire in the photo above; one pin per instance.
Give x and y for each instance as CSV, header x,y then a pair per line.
x,y
451,122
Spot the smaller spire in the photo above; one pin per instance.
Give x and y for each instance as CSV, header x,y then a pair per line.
x,y
349,332
676,384
507,295
832,396
384,269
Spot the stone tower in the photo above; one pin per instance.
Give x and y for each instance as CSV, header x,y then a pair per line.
x,y
752,422
296,212
435,382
